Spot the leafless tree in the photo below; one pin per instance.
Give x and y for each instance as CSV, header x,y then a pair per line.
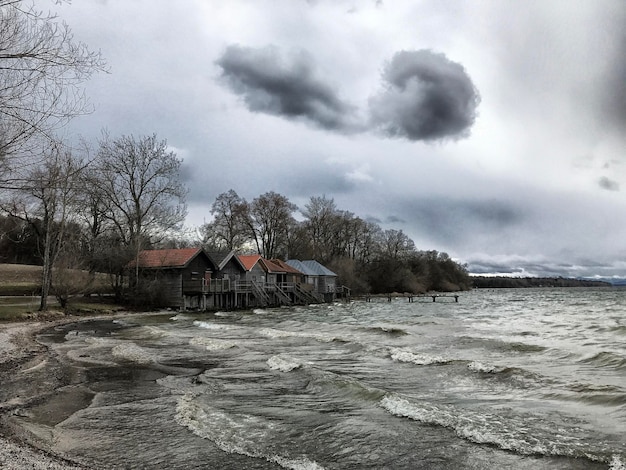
x,y
44,200
271,217
320,223
41,72
229,228
396,245
137,181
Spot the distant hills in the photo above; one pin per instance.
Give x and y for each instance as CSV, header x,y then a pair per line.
x,y
495,282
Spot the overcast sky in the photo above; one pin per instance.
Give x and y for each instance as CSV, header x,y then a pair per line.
x,y
492,130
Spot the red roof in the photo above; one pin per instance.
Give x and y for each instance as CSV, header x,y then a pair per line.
x,y
285,267
249,261
174,258
272,267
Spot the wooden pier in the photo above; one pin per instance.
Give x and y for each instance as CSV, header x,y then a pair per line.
x,y
412,297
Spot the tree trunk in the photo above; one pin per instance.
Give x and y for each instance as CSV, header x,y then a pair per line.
x,y
46,272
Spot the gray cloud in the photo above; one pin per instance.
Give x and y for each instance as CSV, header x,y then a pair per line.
x,y
544,268
428,97
451,219
608,184
282,86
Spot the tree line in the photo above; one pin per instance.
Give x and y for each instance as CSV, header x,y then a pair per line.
x,y
367,258
91,208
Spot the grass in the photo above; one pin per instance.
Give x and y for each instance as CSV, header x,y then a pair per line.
x,y
20,279
20,289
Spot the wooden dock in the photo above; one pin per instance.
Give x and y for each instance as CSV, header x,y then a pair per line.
x,y
412,297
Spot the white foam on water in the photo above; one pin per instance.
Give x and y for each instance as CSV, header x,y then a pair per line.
x,y
259,311
85,356
402,355
211,326
617,463
132,352
235,433
476,366
283,364
180,317
523,434
211,344
224,314
277,334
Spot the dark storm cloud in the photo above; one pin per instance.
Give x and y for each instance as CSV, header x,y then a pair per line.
x,y
608,184
281,86
427,97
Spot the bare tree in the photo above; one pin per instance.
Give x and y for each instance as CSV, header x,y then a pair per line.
x,y
41,70
138,182
396,245
229,228
320,214
45,200
270,220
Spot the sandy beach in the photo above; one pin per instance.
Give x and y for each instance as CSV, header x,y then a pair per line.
x,y
19,351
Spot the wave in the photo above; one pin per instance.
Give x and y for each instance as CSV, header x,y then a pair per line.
x,y
283,364
391,331
606,359
133,353
276,334
328,383
420,359
522,434
504,346
211,326
211,344
619,329
180,317
236,433
617,463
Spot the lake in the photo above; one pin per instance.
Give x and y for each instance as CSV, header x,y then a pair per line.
x,y
519,378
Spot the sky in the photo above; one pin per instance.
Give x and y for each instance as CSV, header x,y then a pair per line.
x,y
492,130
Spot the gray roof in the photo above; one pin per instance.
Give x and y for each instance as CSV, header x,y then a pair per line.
x,y
221,258
310,267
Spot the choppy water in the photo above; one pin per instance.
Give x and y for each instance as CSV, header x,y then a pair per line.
x,y
521,379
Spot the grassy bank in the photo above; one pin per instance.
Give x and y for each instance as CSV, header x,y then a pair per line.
x,y
20,290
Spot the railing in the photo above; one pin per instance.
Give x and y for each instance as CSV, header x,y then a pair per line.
x,y
264,291
207,286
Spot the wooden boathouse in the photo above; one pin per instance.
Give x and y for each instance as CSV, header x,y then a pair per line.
x,y
192,278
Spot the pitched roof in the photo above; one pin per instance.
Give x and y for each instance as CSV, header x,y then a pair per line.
x,y
297,264
286,267
248,261
271,267
221,258
318,268
172,258
310,267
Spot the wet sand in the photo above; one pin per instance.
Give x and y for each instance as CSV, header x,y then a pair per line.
x,y
20,353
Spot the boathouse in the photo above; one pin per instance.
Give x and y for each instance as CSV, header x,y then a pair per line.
x,y
321,279
191,278
177,276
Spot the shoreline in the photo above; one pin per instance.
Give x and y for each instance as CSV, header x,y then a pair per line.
x,y
20,351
